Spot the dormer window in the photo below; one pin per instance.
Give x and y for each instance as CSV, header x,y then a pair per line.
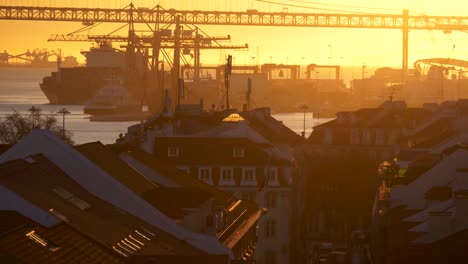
x,y
220,218
173,151
238,152
227,176
204,174
248,176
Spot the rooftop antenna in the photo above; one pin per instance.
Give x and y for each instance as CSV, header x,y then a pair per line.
x,y
248,94
227,78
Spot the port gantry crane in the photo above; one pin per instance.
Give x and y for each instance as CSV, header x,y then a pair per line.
x,y
37,56
183,39
404,21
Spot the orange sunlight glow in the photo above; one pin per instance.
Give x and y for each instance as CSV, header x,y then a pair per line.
x,y
377,47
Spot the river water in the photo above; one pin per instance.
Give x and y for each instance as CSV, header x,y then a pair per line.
x,y
19,90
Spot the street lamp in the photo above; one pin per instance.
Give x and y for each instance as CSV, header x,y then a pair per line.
x,y
341,68
302,66
64,112
364,70
271,59
35,113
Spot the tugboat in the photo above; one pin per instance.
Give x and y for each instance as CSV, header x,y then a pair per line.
x,y
112,99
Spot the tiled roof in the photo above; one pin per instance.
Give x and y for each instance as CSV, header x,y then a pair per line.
x,y
173,201
168,169
216,151
70,246
112,164
239,213
106,187
434,134
273,130
52,190
181,198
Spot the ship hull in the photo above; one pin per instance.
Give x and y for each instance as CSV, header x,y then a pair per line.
x,y
111,110
74,86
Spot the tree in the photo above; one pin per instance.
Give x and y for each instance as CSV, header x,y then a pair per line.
x,y
15,126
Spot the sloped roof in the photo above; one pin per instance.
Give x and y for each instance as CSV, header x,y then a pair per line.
x,y
441,174
219,151
74,247
99,183
240,215
111,163
169,170
174,201
53,191
424,214
273,130
232,130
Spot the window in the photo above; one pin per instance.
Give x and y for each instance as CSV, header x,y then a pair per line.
x,y
379,136
248,176
273,178
173,151
66,195
227,177
366,136
238,152
270,228
271,199
220,218
354,136
204,174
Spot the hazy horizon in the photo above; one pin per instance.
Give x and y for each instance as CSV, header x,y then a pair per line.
x,y
287,45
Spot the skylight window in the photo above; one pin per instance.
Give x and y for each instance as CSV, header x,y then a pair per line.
x,y
233,118
34,236
66,195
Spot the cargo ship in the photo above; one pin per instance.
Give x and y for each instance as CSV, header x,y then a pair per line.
x,y
76,85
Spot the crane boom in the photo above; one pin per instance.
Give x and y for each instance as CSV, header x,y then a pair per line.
x,y
159,15
248,18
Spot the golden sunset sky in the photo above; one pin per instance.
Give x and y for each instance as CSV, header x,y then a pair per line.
x,y
377,47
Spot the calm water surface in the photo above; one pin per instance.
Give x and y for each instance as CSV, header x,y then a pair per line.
x,y
19,90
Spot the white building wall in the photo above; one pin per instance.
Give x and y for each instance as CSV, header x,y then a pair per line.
x,y
279,244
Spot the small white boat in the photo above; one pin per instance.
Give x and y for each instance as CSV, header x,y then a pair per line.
x,y
112,98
